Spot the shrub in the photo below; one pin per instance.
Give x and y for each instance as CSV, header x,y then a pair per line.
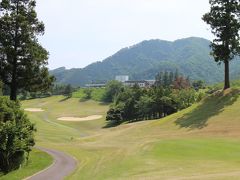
x,y
16,135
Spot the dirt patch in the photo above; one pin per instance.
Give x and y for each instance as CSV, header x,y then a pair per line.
x,y
34,109
88,118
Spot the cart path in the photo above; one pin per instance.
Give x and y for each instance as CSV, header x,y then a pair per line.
x,y
62,166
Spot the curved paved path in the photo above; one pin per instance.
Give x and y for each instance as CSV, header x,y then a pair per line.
x,y
63,166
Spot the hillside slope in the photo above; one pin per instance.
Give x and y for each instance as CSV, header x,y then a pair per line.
x,y
201,142
146,59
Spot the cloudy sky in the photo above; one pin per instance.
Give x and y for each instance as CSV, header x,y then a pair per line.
x,y
79,32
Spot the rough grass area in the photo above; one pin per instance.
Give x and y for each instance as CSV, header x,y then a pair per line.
x,y
201,142
234,84
96,95
37,161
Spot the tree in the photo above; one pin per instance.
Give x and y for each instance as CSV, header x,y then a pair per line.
x,y
113,88
169,105
145,107
68,91
88,93
224,19
176,75
22,59
181,83
16,135
159,79
198,84
1,88
115,115
171,78
166,79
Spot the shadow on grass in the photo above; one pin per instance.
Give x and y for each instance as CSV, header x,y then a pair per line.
x,y
111,124
83,100
104,103
64,99
212,106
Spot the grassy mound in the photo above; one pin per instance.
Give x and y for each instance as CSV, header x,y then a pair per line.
x,y
201,142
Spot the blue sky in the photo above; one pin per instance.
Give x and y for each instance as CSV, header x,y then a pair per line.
x,y
81,32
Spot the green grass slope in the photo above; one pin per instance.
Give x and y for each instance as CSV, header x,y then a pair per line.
x,y
201,142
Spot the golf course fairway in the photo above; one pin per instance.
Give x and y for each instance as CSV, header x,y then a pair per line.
x,y
201,142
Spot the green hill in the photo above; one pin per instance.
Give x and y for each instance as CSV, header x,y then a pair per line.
x,y
144,60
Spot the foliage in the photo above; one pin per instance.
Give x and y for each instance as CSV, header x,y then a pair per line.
x,y
115,115
68,91
135,104
23,59
88,93
113,88
198,84
225,24
167,79
1,88
58,89
97,94
16,135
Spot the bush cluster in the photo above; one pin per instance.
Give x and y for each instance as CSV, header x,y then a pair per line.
x,y
16,135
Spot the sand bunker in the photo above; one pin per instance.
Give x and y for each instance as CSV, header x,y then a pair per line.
x,y
34,109
89,118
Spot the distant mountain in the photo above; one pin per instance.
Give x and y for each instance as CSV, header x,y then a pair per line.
x,y
191,56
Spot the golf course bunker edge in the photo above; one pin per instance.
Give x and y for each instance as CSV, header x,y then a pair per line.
x,y
79,119
34,110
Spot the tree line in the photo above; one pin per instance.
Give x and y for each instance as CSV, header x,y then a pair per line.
x,y
170,94
54,89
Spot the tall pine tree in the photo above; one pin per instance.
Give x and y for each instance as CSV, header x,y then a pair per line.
x,y
224,19
22,59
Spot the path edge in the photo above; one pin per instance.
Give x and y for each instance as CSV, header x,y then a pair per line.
x,y
53,163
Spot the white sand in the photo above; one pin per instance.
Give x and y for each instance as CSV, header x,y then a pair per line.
x,y
34,109
76,119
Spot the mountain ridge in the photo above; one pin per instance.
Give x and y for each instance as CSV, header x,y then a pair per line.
x,y
191,56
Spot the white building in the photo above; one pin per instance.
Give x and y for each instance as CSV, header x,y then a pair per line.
x,y
122,78
141,84
95,85
151,82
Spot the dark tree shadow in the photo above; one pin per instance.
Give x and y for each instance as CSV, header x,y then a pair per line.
x,y
111,124
83,100
212,106
104,103
64,99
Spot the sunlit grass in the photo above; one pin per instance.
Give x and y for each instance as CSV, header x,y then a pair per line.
x,y
199,142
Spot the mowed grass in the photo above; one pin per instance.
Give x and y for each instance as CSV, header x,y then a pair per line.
x,y
201,142
97,94
38,160
58,106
